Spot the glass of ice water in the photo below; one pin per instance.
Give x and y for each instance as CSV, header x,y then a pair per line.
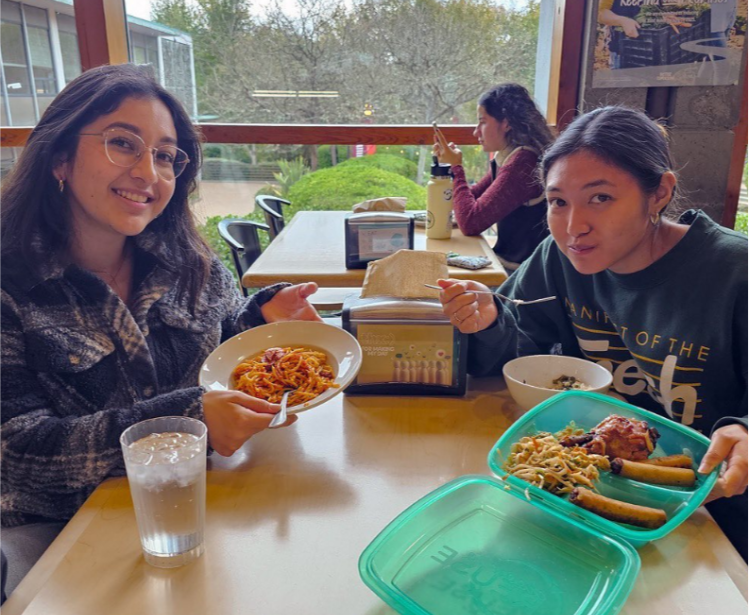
x,y
165,459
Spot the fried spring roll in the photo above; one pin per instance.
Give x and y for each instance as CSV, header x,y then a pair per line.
x,y
671,461
658,475
614,510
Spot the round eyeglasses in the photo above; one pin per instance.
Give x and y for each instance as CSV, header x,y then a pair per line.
x,y
125,149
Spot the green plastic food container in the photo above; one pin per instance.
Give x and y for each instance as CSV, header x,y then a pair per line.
x,y
472,548
499,546
587,410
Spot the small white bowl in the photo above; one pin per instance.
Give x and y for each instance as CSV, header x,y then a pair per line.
x,y
529,378
344,354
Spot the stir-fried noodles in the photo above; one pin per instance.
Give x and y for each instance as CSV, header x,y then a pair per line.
x,y
543,462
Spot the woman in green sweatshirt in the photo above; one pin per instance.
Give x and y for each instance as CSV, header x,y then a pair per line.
x,y
661,303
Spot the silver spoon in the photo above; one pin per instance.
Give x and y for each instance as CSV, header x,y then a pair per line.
x,y
280,417
490,292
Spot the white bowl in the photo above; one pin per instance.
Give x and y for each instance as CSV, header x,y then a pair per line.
x,y
529,378
344,354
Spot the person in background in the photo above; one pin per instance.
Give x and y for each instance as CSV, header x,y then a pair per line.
x,y
661,303
510,195
111,300
612,14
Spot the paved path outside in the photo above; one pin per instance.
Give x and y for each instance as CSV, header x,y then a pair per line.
x,y
225,198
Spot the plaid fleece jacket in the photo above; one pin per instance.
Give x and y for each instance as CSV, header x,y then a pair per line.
x,y
79,367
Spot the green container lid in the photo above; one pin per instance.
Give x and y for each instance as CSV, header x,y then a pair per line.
x,y
500,546
472,548
587,410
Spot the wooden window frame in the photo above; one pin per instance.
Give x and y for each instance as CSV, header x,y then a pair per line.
x,y
101,26
566,58
738,158
334,134
302,134
102,38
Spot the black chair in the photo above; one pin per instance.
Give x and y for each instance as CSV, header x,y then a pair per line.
x,y
243,239
272,208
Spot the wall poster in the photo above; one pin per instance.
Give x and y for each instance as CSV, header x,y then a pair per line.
x,y
651,43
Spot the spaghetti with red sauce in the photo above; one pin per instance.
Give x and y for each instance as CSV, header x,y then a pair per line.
x,y
275,370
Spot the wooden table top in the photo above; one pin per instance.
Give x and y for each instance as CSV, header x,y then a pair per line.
x,y
311,249
290,513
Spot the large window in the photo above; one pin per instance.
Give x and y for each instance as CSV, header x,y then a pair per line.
x,y
340,62
178,70
71,57
343,62
29,77
373,62
41,60
144,50
18,100
37,27
168,50
14,59
40,54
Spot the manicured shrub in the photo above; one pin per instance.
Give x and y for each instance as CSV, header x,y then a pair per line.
x,y
337,188
209,231
386,162
324,160
741,222
343,186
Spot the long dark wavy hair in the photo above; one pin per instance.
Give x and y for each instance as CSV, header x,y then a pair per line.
x,y
33,207
512,102
624,138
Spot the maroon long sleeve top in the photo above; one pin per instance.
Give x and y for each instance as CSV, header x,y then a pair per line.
x,y
504,197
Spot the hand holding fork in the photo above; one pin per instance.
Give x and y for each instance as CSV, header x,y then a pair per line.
x,y
470,305
280,417
513,301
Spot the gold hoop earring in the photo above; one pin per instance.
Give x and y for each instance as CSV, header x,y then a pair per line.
x,y
61,185
655,218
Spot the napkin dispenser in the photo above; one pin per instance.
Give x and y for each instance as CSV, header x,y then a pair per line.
x,y
376,234
409,347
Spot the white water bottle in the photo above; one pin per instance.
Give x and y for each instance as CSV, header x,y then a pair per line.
x,y
439,202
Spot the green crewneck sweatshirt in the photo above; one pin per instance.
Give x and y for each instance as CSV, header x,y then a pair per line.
x,y
674,335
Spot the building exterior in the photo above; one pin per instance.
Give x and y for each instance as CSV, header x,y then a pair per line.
x,y
39,56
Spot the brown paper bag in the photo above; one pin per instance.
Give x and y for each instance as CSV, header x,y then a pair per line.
x,y
404,274
388,203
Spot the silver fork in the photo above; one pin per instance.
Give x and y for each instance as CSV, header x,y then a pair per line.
x,y
280,417
490,292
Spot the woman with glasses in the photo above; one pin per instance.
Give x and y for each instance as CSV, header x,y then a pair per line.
x,y
111,300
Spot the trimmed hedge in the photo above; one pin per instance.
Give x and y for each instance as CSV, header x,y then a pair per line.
x,y
324,159
741,222
386,162
334,189
209,231
343,186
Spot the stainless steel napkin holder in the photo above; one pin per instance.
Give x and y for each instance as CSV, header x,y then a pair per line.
x,y
409,347
372,235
